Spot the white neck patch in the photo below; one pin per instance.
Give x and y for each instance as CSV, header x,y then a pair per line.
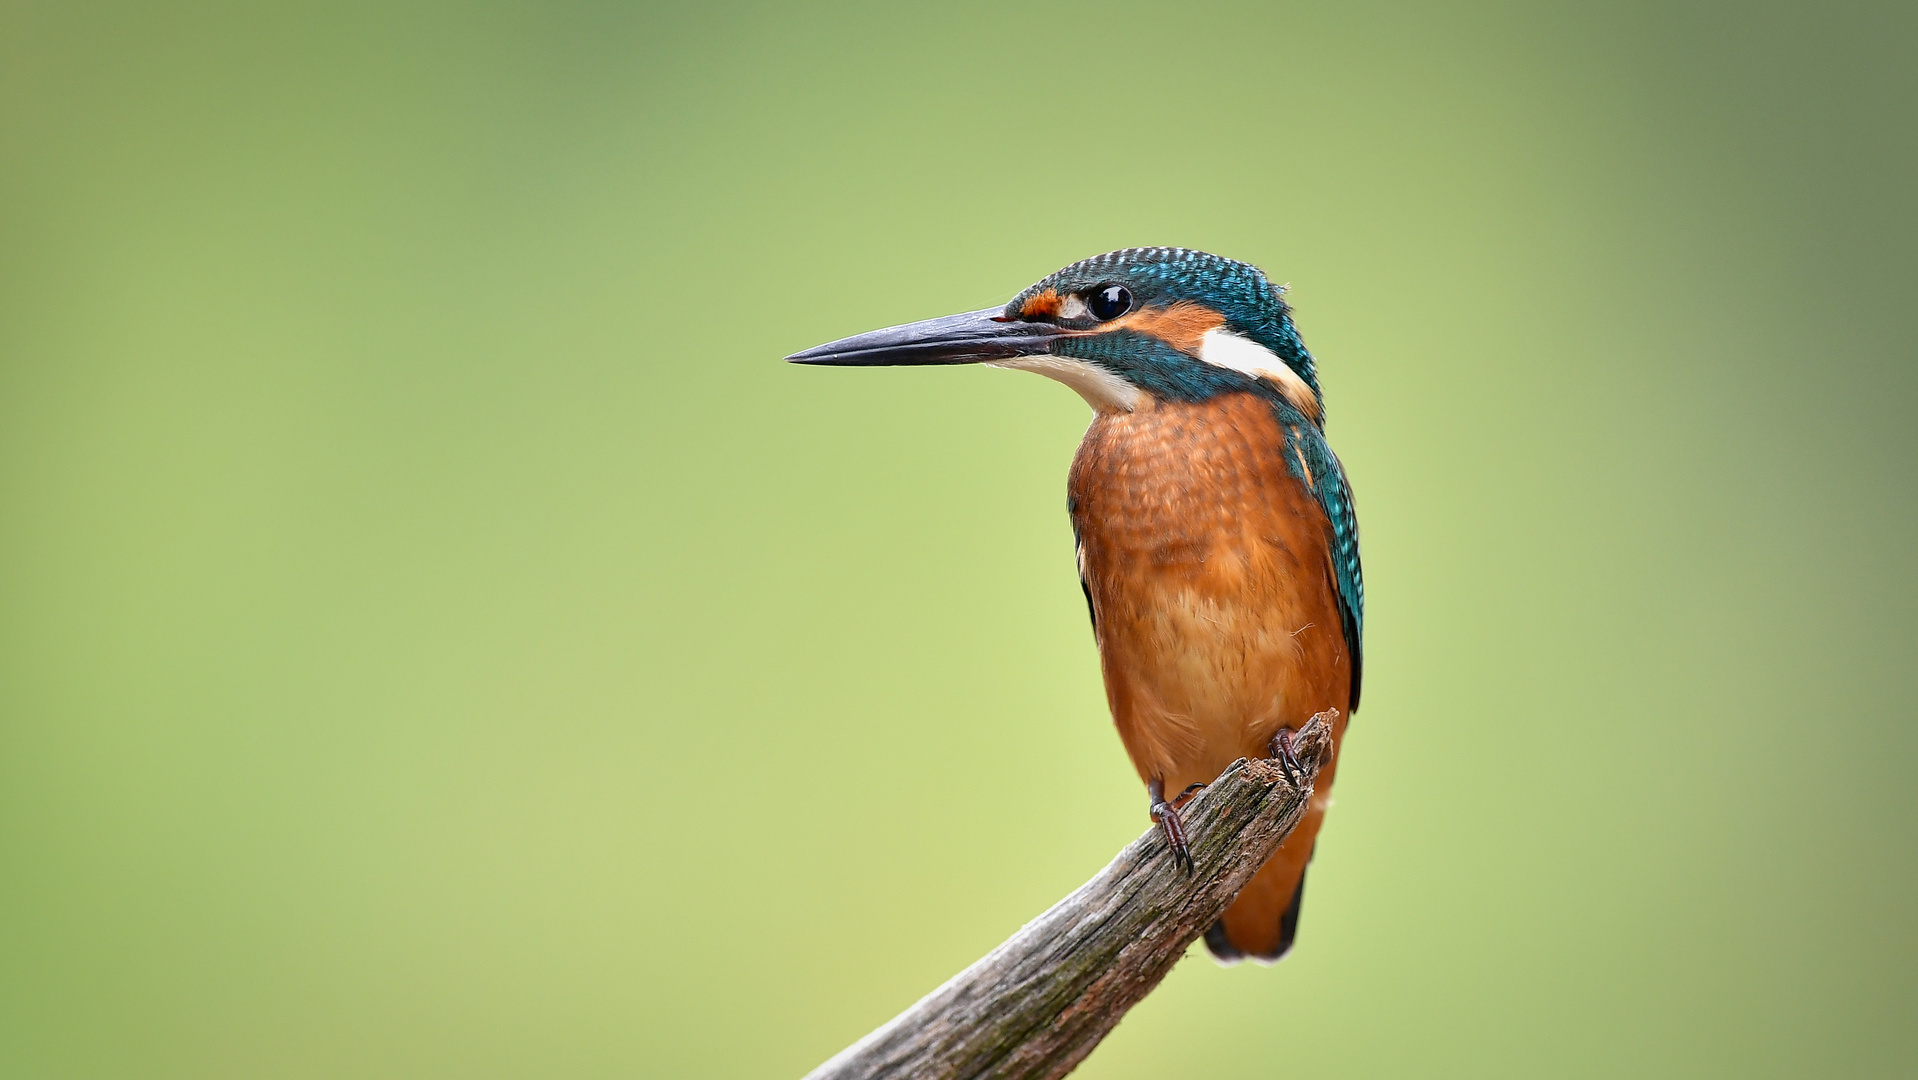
x,y
1224,349
1103,390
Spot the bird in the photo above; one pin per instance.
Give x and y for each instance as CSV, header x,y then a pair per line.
x,y
1215,533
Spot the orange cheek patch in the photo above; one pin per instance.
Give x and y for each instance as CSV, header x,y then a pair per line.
x,y
1181,325
1045,305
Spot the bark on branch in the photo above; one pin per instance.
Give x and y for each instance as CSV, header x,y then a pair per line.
x,y
1037,1005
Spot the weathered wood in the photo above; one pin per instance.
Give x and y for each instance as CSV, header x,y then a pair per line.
x,y
1037,1005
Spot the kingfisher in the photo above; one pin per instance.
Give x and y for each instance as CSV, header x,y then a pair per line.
x,y
1215,534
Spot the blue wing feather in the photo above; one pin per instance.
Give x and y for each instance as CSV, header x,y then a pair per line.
x,y
1335,494
1329,486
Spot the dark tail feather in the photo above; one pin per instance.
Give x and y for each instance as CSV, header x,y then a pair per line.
x,y
1289,922
1225,952
1221,946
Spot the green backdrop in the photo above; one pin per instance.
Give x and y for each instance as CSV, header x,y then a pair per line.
x,y
439,638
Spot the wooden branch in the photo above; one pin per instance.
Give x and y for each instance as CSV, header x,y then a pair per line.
x,y
1037,1005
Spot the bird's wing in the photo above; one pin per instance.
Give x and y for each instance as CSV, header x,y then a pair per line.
x,y
1329,485
1079,559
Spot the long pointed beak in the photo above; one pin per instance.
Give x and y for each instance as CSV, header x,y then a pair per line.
x,y
952,339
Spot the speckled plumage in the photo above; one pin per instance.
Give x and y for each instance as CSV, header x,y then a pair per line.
x,y
1241,292
1208,566
1217,539
1251,305
1218,548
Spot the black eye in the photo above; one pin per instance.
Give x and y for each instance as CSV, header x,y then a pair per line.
x,y
1109,302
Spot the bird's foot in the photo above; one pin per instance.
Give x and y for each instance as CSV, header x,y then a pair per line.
x,y
1166,816
1288,759
1168,821
1183,797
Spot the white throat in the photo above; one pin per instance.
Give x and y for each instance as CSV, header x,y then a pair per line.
x,y
1103,390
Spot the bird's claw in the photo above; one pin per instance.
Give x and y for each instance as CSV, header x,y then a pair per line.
x,y
1287,758
1168,821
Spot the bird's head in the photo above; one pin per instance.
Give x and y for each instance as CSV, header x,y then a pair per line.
x,y
1123,329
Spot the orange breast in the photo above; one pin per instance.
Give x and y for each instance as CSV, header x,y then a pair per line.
x,y
1208,568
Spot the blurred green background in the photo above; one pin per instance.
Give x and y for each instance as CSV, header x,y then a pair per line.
x,y
439,638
